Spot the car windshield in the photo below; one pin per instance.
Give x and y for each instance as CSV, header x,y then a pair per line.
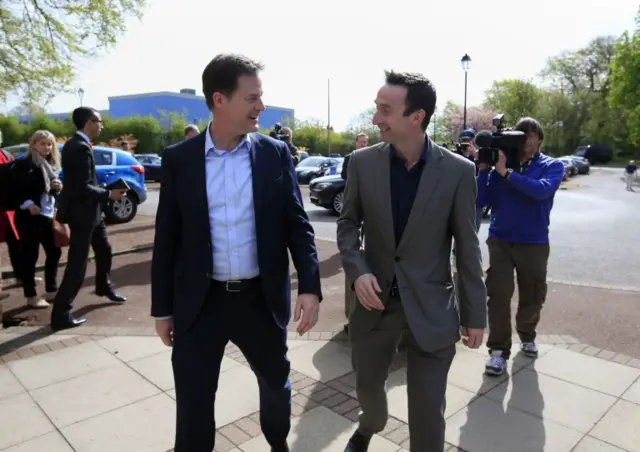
x,y
312,161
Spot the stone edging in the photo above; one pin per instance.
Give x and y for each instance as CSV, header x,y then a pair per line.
x,y
20,349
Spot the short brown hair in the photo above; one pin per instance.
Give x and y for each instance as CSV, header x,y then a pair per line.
x,y
530,125
362,134
191,128
222,73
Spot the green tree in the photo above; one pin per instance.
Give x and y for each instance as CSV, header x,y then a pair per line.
x,y
363,123
40,40
624,94
583,75
514,98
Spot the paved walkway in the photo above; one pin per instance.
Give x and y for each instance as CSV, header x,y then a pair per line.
x,y
64,393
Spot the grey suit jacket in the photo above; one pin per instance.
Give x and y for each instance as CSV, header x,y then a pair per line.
x,y
444,209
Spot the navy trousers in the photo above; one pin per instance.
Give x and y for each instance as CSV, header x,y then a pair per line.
x,y
244,319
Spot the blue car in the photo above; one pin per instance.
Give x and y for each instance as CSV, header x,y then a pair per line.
x,y
111,164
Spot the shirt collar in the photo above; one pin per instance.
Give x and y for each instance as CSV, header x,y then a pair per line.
x,y
423,156
209,146
84,136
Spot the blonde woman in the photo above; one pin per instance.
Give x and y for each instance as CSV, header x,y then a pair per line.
x,y
37,191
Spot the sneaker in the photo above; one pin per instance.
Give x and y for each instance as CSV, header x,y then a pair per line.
x,y
495,364
529,349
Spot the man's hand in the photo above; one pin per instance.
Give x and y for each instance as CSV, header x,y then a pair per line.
x,y
56,185
33,209
472,337
367,290
117,195
307,309
501,165
164,328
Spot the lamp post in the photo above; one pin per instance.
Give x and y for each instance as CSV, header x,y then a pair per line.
x,y
435,124
466,64
80,95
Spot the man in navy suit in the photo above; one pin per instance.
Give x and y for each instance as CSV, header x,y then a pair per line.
x,y
230,208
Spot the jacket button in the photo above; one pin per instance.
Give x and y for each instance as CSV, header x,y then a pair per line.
x,y
208,275
397,259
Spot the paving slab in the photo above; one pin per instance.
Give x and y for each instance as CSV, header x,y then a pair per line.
x,y
122,398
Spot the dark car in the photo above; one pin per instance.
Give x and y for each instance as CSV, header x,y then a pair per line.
x,y
569,166
328,192
111,164
581,163
595,153
312,167
151,164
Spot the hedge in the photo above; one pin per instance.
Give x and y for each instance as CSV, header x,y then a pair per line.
x,y
149,135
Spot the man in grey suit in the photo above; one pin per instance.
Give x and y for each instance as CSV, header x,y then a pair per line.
x,y
412,197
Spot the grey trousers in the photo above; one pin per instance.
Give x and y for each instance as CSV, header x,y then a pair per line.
x,y
372,355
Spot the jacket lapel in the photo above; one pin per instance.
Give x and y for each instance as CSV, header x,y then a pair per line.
x,y
198,163
426,188
258,171
382,183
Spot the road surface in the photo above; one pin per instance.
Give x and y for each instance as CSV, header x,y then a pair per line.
x,y
593,235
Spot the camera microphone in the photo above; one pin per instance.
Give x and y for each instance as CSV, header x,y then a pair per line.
x,y
484,138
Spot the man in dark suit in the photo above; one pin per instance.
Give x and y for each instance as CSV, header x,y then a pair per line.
x,y
229,209
362,139
80,206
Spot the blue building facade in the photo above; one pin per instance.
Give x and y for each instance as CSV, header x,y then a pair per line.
x,y
161,105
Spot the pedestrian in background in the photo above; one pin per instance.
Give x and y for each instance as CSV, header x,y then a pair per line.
x,y
37,174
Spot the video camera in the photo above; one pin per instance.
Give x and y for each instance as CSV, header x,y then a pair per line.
x,y
503,139
277,133
461,147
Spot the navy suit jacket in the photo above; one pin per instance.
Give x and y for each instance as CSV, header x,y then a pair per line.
x,y
182,262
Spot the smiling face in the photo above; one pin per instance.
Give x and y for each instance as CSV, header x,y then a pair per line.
x,y
241,109
390,115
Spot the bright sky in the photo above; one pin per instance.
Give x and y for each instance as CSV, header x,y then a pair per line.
x,y
351,42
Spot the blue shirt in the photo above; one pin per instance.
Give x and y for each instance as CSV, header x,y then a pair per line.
x,y
521,204
404,187
631,168
231,212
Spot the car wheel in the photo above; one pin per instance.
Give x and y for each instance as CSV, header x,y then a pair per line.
x,y
122,211
338,202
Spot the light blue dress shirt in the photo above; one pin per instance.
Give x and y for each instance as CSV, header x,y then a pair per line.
x,y
231,213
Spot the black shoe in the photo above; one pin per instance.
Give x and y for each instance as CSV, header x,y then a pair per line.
x,y
358,443
111,295
65,322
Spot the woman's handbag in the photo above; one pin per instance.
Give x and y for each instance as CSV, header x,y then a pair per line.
x,y
61,233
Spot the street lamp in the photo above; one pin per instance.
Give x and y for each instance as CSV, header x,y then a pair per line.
x,y
466,64
80,95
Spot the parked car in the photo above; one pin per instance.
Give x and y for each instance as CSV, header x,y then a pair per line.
x,y
328,192
151,164
582,164
303,155
111,164
569,166
312,167
336,169
595,153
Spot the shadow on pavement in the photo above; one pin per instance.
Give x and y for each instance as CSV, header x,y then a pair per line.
x,y
328,268
129,274
483,413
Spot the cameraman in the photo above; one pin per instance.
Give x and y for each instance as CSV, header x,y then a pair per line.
x,y
466,143
275,133
286,135
521,203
